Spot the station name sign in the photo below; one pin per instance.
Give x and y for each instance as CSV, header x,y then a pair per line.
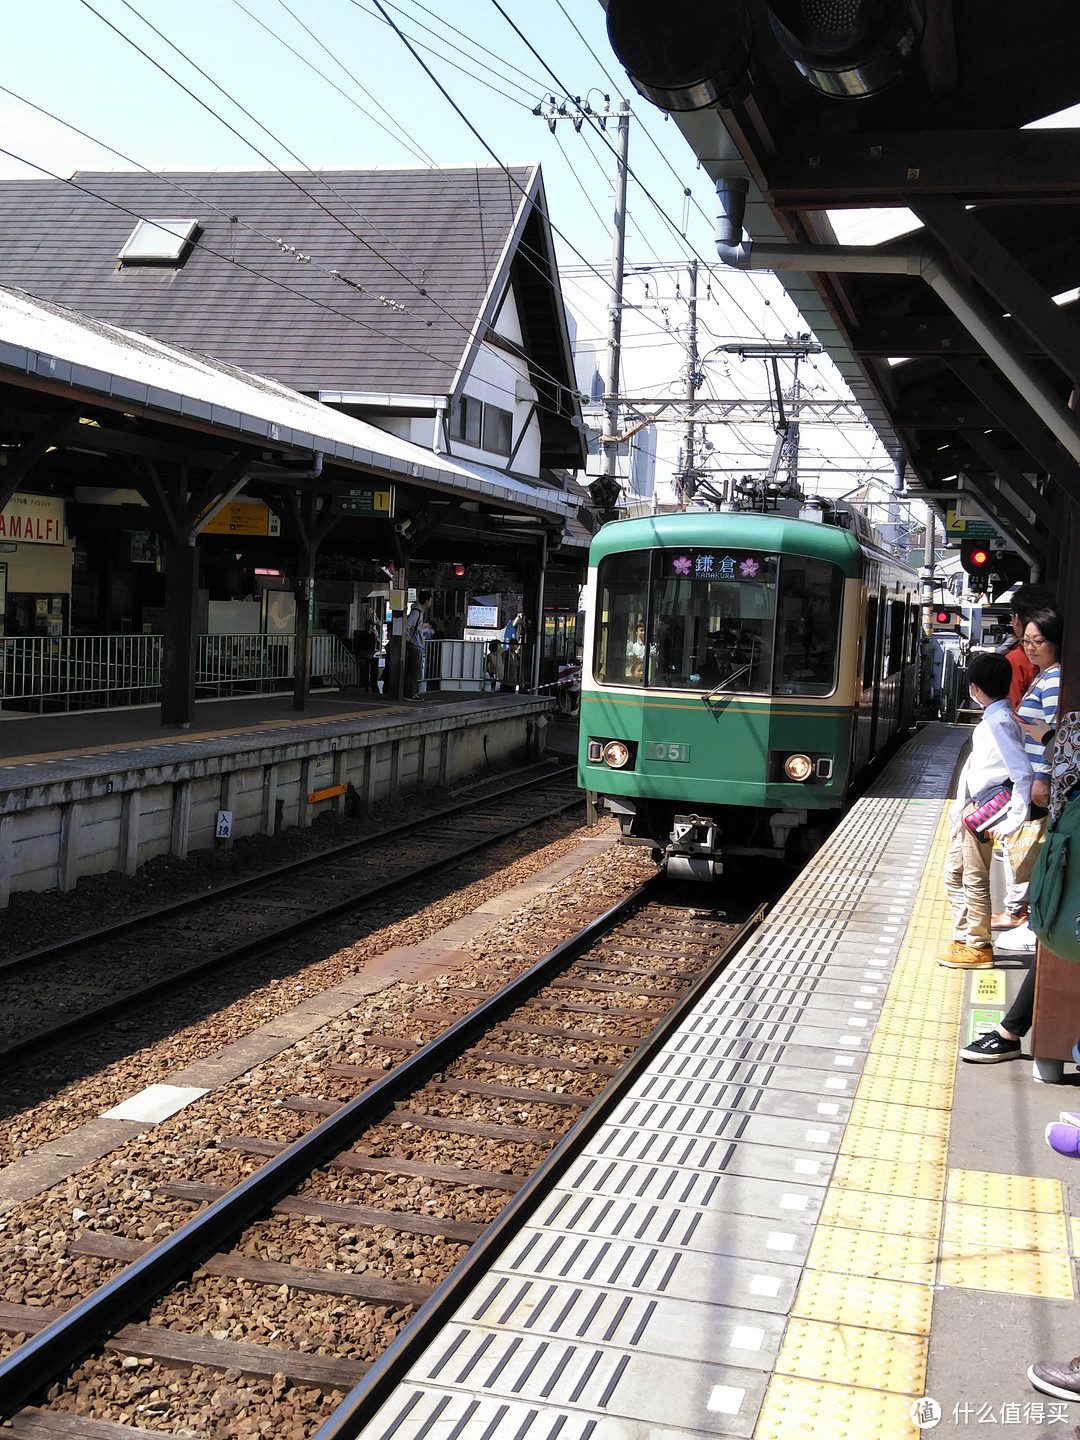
x,y
33,520
372,500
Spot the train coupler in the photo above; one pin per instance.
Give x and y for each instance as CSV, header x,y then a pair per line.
x,y
693,851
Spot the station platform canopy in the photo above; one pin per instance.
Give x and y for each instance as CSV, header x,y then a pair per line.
x,y
911,173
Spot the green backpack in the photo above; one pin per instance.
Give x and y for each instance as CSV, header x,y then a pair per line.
x,y
1055,885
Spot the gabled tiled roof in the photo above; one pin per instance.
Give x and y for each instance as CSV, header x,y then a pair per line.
x,y
438,242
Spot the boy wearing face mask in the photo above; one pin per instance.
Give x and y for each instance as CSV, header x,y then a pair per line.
x,y
997,762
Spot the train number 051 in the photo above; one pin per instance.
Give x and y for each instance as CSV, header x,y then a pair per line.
x,y
657,750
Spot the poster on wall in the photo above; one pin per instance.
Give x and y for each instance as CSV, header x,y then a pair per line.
x,y
279,612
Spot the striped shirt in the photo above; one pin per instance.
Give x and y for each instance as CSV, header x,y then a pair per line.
x,y
1040,705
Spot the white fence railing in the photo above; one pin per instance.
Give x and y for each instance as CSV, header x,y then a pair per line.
x,y
77,671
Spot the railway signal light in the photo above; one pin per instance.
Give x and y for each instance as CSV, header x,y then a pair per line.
x,y
946,617
976,557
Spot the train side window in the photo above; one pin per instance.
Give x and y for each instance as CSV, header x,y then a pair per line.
x,y
897,636
622,592
808,626
870,654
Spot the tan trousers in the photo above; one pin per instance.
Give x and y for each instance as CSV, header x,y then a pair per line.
x,y
967,884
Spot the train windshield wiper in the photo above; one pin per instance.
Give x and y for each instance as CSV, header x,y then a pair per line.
x,y
727,682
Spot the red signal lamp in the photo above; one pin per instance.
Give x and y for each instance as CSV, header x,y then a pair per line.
x,y
980,557
459,568
941,617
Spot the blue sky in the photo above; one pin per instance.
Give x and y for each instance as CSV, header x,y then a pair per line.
x,y
353,95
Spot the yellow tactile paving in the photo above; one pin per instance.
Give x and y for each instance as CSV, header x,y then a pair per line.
x,y
1074,1231
884,1177
852,1355
972,1230
1019,1272
875,1256
795,1407
906,1119
902,1149
1018,1192
858,1300
920,1093
935,1070
889,1214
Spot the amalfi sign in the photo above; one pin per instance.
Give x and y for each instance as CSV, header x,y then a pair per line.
x,y
33,520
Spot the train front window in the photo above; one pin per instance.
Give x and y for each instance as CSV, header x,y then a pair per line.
x,y
622,600
808,626
711,620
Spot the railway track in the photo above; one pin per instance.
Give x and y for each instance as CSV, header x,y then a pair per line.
x,y
419,1177
84,983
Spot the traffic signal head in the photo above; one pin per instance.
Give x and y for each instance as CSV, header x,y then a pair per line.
x,y
976,557
946,617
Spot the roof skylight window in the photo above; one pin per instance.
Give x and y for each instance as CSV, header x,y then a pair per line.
x,y
160,242
873,227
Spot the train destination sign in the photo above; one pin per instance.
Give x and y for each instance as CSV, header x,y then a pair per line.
x,y
719,565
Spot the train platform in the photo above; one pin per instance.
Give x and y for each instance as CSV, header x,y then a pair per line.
x,y
809,1218
87,792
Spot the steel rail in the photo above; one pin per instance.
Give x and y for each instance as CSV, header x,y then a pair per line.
x,y
64,948
30,1369
362,1402
264,944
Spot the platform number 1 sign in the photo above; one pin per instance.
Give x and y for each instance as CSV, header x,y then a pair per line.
x,y
224,825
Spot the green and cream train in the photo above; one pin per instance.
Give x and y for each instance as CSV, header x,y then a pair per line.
x,y
741,671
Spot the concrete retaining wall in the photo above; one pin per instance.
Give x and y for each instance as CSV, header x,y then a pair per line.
x,y
55,831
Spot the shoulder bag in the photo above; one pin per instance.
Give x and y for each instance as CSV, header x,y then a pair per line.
x,y
1055,884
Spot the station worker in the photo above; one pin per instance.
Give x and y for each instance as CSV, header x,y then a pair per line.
x,y
998,762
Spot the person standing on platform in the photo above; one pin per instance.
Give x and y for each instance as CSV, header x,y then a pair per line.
x,y
511,668
493,666
1038,721
1025,601
998,762
415,642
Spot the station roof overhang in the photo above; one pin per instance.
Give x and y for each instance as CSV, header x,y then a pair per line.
x,y
157,403
955,144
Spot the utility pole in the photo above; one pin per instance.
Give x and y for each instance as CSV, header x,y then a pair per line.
x,y
608,489
688,481
605,490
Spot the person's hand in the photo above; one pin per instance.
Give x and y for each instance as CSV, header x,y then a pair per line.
x,y
1040,792
1036,729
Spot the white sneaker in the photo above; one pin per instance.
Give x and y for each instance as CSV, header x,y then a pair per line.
x,y
1020,941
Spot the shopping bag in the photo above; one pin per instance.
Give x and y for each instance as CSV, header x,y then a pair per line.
x,y
1023,846
1055,885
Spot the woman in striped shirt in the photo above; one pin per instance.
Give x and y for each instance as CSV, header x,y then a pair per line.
x,y
1037,712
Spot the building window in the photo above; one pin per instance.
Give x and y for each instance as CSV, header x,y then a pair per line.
x,y
485,426
466,420
158,242
498,430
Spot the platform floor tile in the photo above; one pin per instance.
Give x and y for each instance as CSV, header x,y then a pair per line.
x,y
807,1407
853,1355
844,1251
890,1214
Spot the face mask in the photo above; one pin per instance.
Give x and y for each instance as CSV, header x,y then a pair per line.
x,y
976,702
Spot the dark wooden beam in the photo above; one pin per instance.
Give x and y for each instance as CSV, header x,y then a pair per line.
x,y
1011,414
928,335
859,169
1004,466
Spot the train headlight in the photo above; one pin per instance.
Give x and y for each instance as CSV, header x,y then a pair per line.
x,y
798,767
616,754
